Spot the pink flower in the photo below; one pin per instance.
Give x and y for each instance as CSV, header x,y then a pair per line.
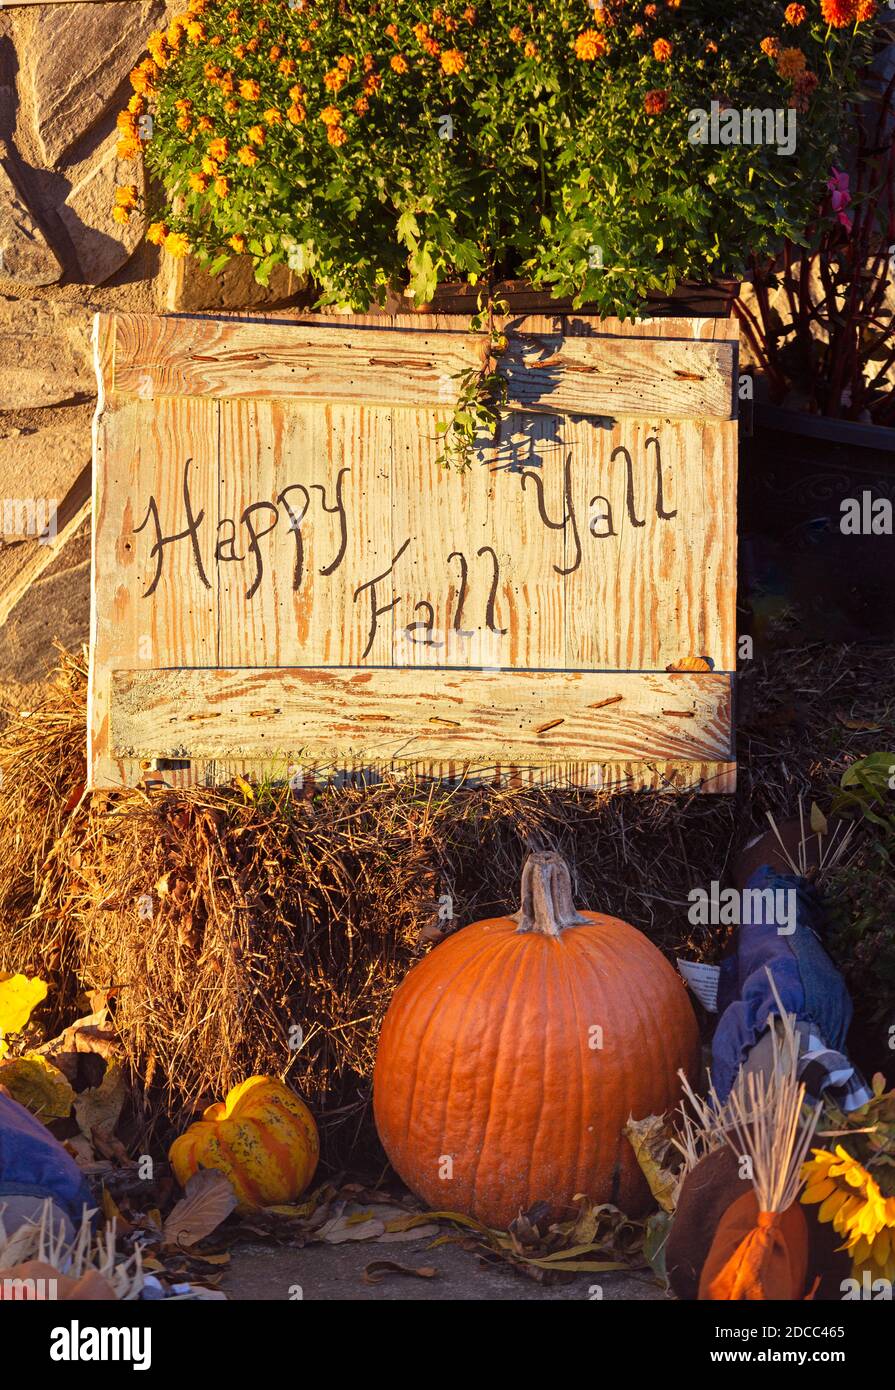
x,y
840,196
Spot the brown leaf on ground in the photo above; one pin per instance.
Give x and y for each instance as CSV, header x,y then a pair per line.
x,y
207,1200
378,1270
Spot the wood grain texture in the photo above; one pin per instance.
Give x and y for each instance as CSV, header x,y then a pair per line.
x,y
265,533
381,714
618,375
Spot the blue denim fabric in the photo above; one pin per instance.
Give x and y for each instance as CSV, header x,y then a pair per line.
x,y
34,1164
806,979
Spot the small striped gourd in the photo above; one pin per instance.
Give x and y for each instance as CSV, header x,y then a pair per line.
x,y
262,1137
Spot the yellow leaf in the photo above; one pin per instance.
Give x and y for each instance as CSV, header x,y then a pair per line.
x,y
245,787
39,1086
650,1140
18,996
818,820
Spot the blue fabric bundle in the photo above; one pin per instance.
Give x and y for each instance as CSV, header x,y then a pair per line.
x,y
809,985
34,1164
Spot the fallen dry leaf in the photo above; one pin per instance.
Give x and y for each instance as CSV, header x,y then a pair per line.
x,y
207,1200
99,1107
377,1270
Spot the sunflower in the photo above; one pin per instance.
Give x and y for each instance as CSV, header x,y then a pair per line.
x,y
851,1198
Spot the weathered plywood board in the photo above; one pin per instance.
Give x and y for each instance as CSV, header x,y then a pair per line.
x,y
621,375
502,716
269,516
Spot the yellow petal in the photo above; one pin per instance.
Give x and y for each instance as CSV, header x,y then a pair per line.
x,y
817,1191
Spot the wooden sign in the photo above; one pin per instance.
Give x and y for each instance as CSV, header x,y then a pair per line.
x,y
286,582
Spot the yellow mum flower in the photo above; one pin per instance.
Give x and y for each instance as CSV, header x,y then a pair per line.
x,y
452,60
157,44
331,116
157,233
209,165
249,89
177,244
257,134
198,182
222,186
126,196
247,156
662,50
121,214
219,148
272,116
398,63
238,242
129,148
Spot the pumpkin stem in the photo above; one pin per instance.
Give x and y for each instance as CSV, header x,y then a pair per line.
x,y
547,904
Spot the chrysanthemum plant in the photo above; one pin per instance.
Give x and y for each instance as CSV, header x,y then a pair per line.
x,y
403,145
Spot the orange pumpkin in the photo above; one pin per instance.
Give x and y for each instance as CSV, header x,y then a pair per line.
x,y
512,1056
262,1137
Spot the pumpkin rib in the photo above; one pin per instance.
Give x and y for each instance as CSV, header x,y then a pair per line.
x,y
601,950
496,1076
584,1063
424,1075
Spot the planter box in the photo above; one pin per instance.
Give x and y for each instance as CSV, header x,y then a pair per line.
x,y
796,470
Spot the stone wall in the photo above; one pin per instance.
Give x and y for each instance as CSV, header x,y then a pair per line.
x,y
63,79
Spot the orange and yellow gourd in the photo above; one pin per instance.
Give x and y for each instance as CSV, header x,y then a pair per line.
x,y
262,1137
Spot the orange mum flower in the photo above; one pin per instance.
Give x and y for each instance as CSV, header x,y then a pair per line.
x,y
361,106
336,135
795,15
157,233
531,50
839,13
272,116
249,89
198,182
662,50
866,10
206,125
373,83
334,80
791,62
238,242
655,102
257,134
399,63
452,60
222,187
470,14
247,156
392,31
331,115
770,47
296,113
286,67
589,45
516,34
219,148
